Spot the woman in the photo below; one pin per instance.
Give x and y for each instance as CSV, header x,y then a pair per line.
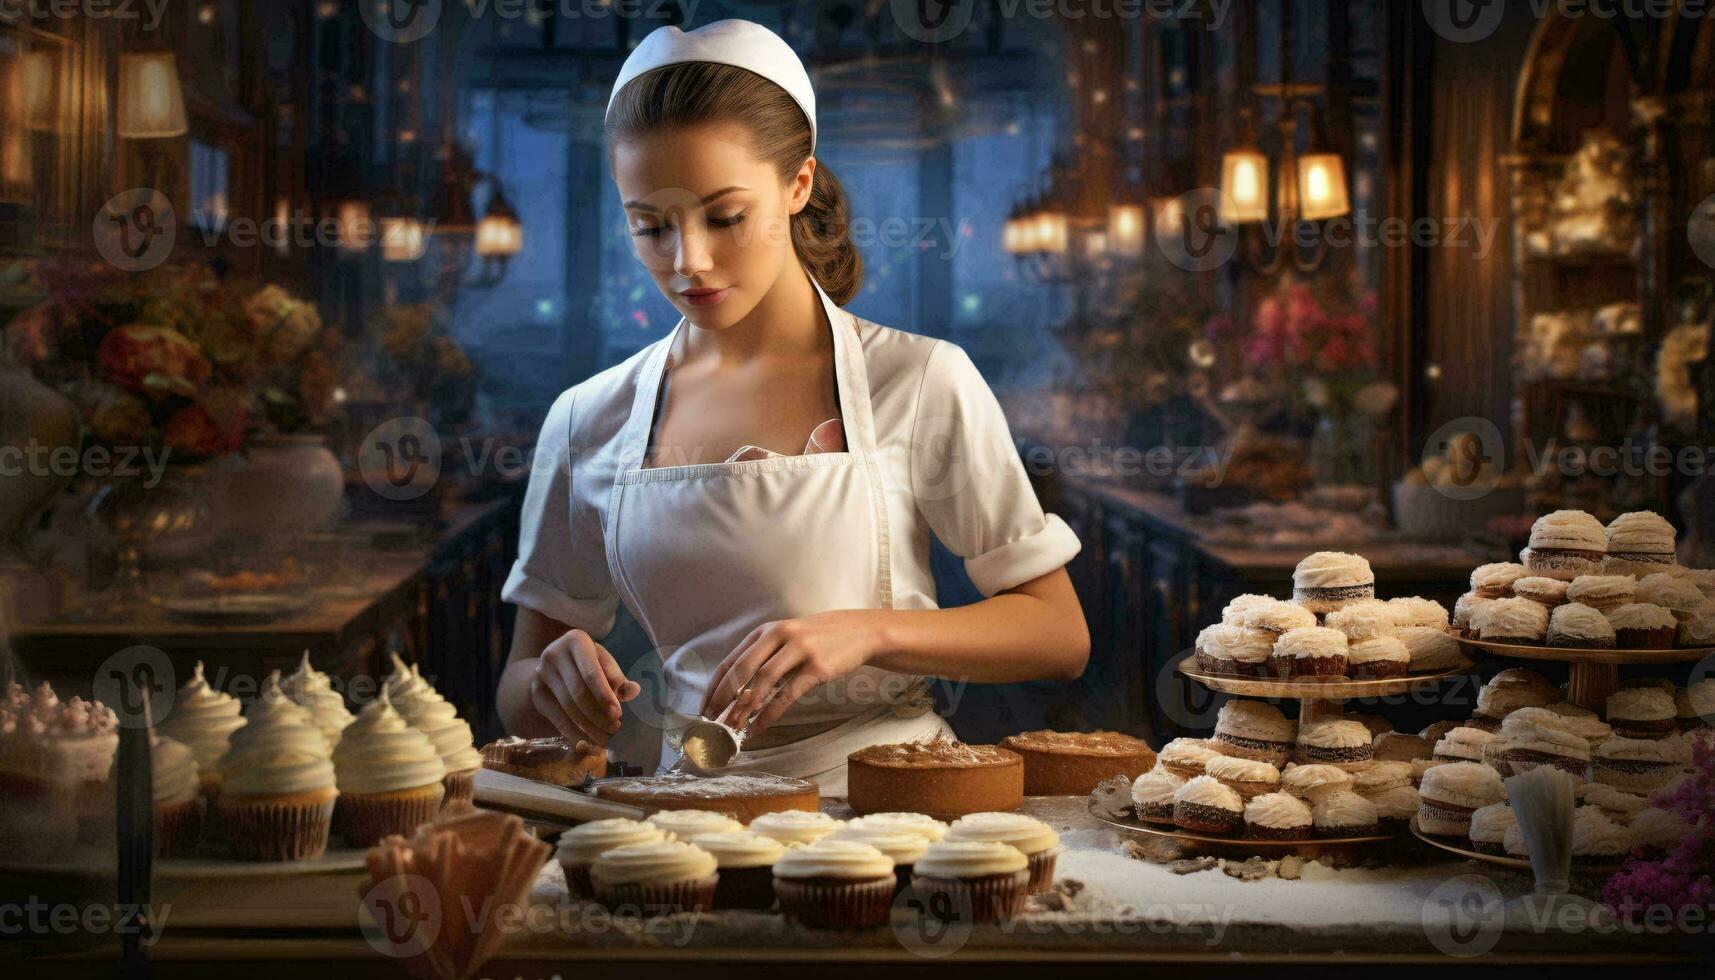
x,y
790,589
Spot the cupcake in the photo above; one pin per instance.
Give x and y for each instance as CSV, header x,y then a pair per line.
x,y
1335,742
1698,630
1247,777
1277,816
1184,757
1657,831
1602,592
660,877
1578,626
1567,544
1328,580
1309,652
794,826
1432,651
1278,618
1542,590
1639,543
1642,625
1034,839
179,803
1395,808
1619,805
921,824
1596,840
1418,611
1307,782
425,709
313,691
1515,620
1515,688
389,776
1468,606
1636,765
203,719
1378,658
1343,814
1676,595
1233,614
1704,579
987,878
1400,747
835,884
1642,712
1528,739
1364,620
1451,793
1227,649
902,846
1249,730
1381,777
38,808
1495,581
84,739
1204,805
1695,706
1581,721
1489,826
277,787
1513,843
745,863
579,847
1152,795
1463,745
686,824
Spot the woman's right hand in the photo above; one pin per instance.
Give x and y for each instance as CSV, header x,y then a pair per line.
x,y
578,687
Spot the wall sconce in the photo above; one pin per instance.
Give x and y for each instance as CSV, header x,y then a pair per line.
x,y
499,236
1244,186
402,239
1126,230
1322,187
1051,233
151,102
356,226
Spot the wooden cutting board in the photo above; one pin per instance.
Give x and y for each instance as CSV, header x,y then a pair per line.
x,y
531,798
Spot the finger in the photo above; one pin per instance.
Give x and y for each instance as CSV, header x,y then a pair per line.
x,y
578,719
742,679
716,696
739,673
548,706
587,656
586,700
762,687
623,689
800,683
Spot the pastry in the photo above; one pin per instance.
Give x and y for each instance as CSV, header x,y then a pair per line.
x,y
204,720
1206,806
1532,737
1277,618
745,863
1676,595
1152,795
1400,747
1418,611
1464,745
1184,757
1512,621
1642,712
1378,658
313,691
389,776
578,848
179,803
1037,841
1277,816
1395,808
1567,544
1639,543
277,786
1578,626
902,847
1343,814
1335,742
1699,629
1308,781
1364,620
1541,589
1328,580
1436,729
1468,606
1247,777
1513,843
688,824
1247,729
1659,831
40,782
1233,614
1582,722
1635,765
742,796
1602,592
660,877
921,824
1309,652
1704,579
1619,805
1596,839
1489,826
1695,705
835,884
987,879
1227,649
1515,688
942,777
1432,651
424,707
792,827
546,760
1381,777
1072,763
1642,626
1451,793
1495,581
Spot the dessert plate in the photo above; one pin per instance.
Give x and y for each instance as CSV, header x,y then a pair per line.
x,y
1203,842
236,608
1315,690
1574,655
1451,846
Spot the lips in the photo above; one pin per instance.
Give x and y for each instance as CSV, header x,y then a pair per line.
x,y
705,297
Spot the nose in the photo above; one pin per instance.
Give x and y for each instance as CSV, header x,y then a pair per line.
x,y
692,256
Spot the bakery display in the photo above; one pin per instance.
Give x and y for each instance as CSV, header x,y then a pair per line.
x,y
1638,544
424,708
835,884
660,877
548,760
1037,841
745,863
987,878
742,796
313,691
1327,580
277,787
578,847
902,846
940,777
1250,730
1452,793
1566,544
389,776
1059,763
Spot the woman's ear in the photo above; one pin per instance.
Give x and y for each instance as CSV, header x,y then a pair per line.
x,y
799,191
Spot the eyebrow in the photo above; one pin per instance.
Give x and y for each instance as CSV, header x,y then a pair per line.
x,y
641,206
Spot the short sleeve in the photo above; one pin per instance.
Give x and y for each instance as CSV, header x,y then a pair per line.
x,y
561,571
970,484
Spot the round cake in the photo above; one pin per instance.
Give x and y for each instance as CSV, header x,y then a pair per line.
x,y
1061,763
742,796
943,778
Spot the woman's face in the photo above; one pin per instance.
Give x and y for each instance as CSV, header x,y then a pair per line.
x,y
708,219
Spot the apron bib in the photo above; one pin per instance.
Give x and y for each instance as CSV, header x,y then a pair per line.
x,y
704,553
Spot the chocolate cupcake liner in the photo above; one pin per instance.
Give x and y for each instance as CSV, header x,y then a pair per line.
x,y
665,898
178,827
578,880
1042,869
277,830
1161,813
1380,671
1256,832
745,888
1202,819
362,819
1443,819
1350,830
460,787
834,903
1660,638
986,898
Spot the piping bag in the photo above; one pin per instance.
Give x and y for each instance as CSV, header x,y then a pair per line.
x,y
1543,800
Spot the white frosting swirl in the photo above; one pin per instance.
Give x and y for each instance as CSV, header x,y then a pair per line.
x,y
1641,532
1209,791
313,691
1155,786
658,862
686,824
740,848
1231,769
1278,811
586,842
794,826
1364,619
1398,803
1418,611
1641,704
902,846
1279,617
381,752
1378,648
1342,809
1332,570
830,858
1311,641
1580,623
1497,576
1309,780
920,824
1570,529
1234,612
1641,616
1677,595
173,767
204,720
278,751
1028,834
1334,733
435,716
1593,833
1489,824
969,859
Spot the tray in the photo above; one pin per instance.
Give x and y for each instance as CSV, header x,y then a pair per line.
x,y
1505,861
1582,655
1211,842
335,860
1312,690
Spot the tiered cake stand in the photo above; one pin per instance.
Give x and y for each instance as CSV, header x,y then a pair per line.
x,y
1593,674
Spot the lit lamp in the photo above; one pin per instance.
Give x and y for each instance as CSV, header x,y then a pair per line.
x,y
151,104
356,232
1169,213
1050,233
1125,230
1322,187
500,235
402,239
1244,186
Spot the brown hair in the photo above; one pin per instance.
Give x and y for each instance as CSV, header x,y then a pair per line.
x,y
699,92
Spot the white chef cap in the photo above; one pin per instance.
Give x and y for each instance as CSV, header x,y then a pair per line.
x,y
740,43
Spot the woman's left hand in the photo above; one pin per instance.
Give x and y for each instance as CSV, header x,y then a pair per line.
x,y
781,661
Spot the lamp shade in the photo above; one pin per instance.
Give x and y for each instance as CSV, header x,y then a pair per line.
x,y
402,239
356,229
151,103
1050,233
1126,230
499,233
1244,187
1322,187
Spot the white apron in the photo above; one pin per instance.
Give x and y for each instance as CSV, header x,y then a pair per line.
x,y
704,553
